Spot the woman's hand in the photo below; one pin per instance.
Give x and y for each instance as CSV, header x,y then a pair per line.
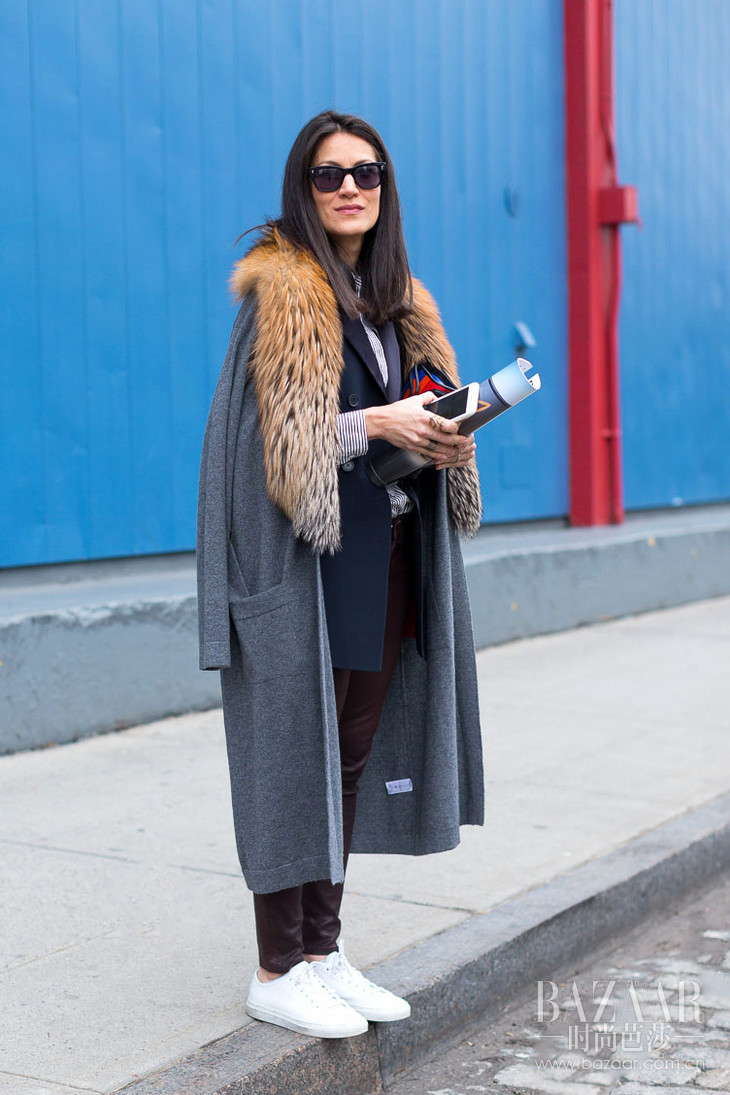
x,y
461,458
408,425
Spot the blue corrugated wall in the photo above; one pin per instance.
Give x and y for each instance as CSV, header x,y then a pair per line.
x,y
673,120
142,137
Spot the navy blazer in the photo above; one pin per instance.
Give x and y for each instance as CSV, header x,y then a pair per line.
x,y
355,579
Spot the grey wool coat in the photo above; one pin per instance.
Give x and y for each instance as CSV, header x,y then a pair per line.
x,y
267,510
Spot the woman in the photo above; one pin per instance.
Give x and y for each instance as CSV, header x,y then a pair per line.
x,y
332,606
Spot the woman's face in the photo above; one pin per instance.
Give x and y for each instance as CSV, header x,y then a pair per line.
x,y
348,213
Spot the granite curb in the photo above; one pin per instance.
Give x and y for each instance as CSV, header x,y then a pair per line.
x,y
468,972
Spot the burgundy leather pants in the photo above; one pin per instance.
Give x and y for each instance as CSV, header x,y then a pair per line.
x,y
306,919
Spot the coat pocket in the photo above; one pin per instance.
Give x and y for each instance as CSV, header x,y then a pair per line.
x,y
265,627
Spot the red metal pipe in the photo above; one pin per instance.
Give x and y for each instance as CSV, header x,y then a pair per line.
x,y
596,208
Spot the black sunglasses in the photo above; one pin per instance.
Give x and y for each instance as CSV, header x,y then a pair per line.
x,y
329,178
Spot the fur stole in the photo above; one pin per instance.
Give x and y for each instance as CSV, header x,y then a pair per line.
x,y
296,367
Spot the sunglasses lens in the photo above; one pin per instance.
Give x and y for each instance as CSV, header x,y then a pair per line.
x,y
327,179
367,176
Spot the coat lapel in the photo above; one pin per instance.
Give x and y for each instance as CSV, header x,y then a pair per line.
x,y
392,356
356,335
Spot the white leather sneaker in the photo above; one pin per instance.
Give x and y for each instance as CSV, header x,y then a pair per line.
x,y
299,1000
370,1000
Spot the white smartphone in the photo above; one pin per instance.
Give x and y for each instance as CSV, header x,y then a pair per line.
x,y
457,405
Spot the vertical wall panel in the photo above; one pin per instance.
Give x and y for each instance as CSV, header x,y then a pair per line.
x,y
673,113
22,486
191,362
258,173
59,211
110,516
149,133
218,129
317,56
145,218
346,57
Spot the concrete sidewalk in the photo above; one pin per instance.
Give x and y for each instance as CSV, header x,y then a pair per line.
x,y
127,932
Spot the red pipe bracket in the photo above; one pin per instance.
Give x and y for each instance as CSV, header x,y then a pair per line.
x,y
618,205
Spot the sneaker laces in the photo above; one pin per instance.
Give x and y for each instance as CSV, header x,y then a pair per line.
x,y
337,962
313,987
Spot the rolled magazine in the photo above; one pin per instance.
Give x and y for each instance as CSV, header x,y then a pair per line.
x,y
497,394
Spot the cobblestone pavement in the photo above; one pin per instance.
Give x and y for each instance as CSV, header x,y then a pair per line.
x,y
650,1017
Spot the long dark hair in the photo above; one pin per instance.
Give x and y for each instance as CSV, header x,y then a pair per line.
x,y
386,291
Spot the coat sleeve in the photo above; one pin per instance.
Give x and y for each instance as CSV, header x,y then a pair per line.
x,y
214,495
